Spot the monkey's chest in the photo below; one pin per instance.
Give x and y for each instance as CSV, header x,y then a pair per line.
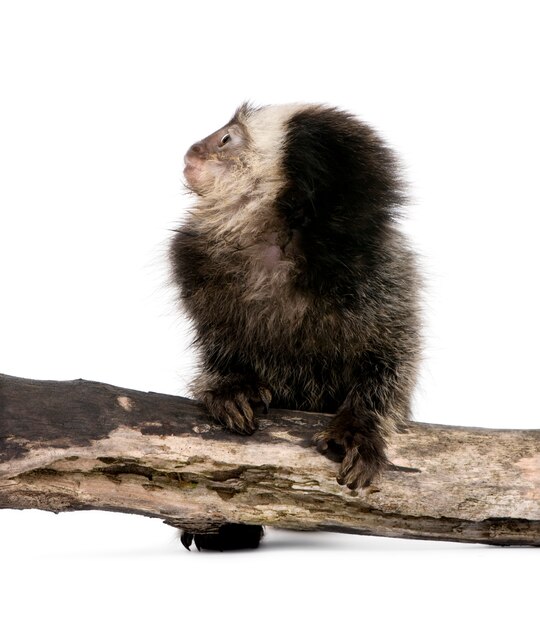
x,y
256,288
256,310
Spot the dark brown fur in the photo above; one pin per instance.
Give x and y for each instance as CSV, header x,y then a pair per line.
x,y
302,291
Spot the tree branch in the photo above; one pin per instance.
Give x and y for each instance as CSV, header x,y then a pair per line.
x,y
76,445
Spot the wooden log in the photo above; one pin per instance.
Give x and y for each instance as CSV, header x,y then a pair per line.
x,y
76,445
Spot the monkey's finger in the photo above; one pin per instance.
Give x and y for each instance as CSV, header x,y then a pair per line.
x,y
320,441
244,406
360,474
352,480
246,411
346,474
266,397
216,408
355,477
236,420
232,417
186,539
351,458
199,542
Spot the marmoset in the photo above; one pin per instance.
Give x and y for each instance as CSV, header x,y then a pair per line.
x,y
302,290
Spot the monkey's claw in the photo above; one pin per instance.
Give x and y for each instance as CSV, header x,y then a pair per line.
x,y
266,398
362,458
187,539
233,406
359,468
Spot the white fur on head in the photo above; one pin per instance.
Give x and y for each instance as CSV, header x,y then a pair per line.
x,y
237,212
238,207
266,126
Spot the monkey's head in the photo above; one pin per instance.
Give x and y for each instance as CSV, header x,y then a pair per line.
x,y
300,159
245,150
215,157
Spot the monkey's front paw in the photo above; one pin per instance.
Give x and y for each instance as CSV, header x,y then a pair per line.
x,y
362,456
232,406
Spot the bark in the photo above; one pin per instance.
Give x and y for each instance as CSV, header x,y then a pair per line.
x,y
76,445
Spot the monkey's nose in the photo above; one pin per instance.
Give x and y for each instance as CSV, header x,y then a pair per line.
x,y
195,152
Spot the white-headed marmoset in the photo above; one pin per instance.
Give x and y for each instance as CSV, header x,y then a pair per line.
x,y
302,290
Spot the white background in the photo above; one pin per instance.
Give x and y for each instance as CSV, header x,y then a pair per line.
x,y
99,101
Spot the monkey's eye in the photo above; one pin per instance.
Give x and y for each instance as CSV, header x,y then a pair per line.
x,y
225,139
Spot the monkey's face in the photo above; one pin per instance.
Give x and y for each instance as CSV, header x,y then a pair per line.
x,y
212,159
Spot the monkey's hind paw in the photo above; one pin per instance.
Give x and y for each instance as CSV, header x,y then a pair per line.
x,y
233,406
229,537
362,459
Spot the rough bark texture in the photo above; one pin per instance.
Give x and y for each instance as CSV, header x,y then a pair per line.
x,y
75,445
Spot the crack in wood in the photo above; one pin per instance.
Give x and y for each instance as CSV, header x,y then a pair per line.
x,y
74,445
